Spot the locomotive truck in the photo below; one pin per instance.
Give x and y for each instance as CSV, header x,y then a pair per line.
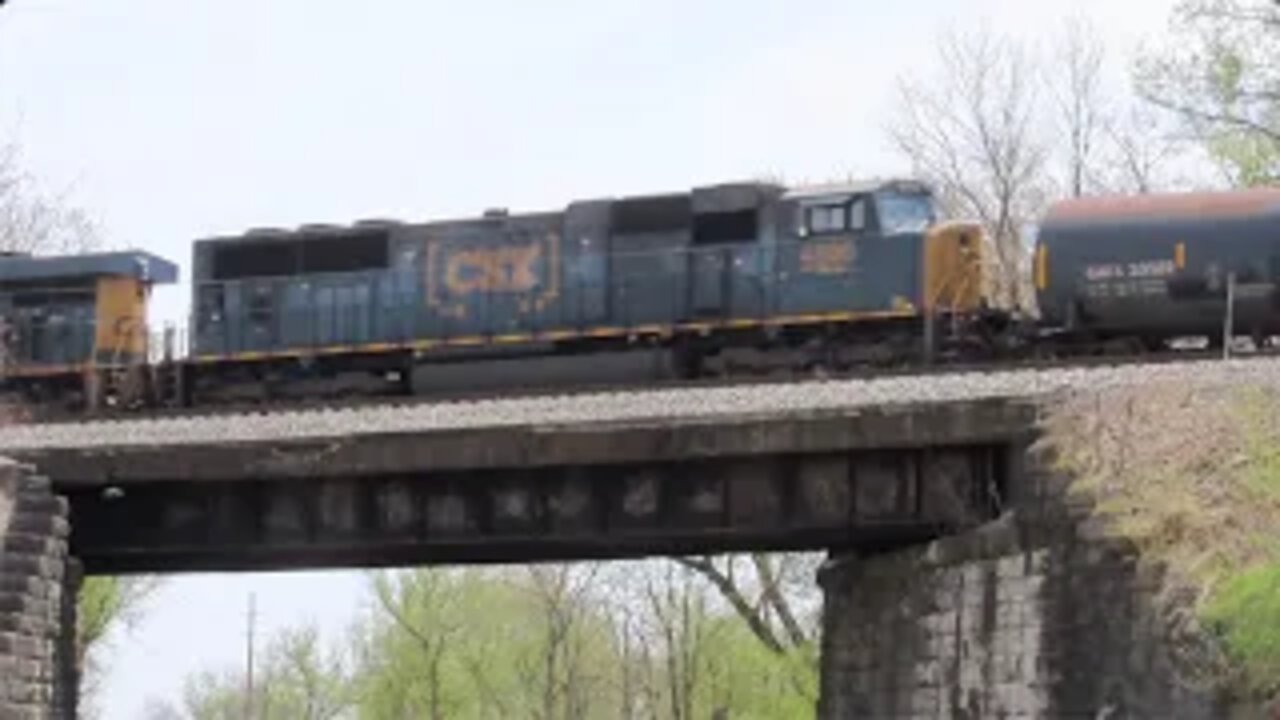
x,y
720,281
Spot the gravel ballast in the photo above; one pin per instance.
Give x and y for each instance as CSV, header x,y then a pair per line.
x,y
637,406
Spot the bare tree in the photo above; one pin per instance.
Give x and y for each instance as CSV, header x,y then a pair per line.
x,y
1115,141
971,131
566,684
1076,82
679,611
32,221
1140,154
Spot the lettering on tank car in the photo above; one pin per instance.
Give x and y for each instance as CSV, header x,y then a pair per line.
x,y
1133,279
826,258
1140,269
526,270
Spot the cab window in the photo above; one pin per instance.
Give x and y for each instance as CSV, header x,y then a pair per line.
x,y
825,219
858,215
835,217
905,212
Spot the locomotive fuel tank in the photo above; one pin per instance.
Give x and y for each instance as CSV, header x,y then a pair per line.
x,y
1157,266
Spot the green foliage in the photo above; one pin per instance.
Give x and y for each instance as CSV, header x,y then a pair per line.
x,y
105,603
1245,608
1251,159
216,696
1259,433
742,678
472,644
544,642
296,679
1218,73
1245,611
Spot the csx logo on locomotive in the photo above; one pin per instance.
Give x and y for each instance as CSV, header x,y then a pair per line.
x,y
524,270
505,269
827,258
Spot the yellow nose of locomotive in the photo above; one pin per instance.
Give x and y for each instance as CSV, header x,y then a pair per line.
x,y
954,267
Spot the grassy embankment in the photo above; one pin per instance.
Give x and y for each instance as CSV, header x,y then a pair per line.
x,y
1191,474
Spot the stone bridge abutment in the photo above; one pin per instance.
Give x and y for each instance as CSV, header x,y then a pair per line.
x,y
38,588
1042,613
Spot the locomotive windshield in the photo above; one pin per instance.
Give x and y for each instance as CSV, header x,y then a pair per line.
x,y
904,212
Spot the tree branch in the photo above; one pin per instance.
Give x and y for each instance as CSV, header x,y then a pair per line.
x,y
730,592
773,593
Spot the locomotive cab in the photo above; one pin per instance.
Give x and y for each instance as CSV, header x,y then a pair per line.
x,y
67,321
920,263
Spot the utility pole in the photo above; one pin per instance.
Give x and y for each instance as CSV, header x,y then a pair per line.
x,y
248,695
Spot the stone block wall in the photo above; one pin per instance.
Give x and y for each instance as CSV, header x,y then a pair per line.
x,y
1040,614
36,673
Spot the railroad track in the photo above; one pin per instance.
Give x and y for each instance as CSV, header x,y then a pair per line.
x,y
392,402
326,427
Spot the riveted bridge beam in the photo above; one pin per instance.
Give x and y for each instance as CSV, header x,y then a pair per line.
x,y
849,499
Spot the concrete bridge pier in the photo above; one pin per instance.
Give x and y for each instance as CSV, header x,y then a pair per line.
x,y
1039,614
38,588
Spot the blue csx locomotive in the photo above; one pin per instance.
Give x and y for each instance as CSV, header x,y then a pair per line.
x,y
734,279
748,277
745,277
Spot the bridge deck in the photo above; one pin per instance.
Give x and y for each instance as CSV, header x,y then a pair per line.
x,y
769,400
818,465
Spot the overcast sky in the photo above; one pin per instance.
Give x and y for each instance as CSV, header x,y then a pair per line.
x,y
169,121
